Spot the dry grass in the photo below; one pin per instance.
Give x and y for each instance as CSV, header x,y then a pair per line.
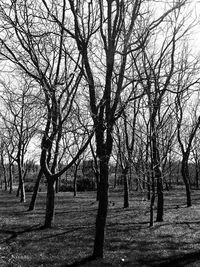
x,y
129,240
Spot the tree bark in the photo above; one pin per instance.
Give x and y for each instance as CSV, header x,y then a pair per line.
x,y
185,175
152,209
4,173
75,181
10,179
50,204
126,189
158,177
35,191
102,209
97,182
160,203
197,174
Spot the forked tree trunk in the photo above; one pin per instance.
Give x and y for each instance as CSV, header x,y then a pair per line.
x,y
102,209
35,191
50,204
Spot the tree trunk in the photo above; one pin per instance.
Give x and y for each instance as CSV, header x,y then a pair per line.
x,y
18,189
23,194
185,175
57,185
97,183
102,209
148,185
160,203
197,174
116,169
158,177
35,191
152,209
126,188
21,188
4,174
50,204
75,182
152,197
5,183
10,178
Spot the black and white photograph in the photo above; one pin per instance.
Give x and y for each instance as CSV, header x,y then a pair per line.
x,y
99,133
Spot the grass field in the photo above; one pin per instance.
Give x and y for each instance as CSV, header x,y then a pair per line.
x,y
129,240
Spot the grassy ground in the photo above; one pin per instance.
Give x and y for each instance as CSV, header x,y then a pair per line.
x,y
129,240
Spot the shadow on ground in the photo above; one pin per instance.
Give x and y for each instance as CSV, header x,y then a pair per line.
x,y
174,261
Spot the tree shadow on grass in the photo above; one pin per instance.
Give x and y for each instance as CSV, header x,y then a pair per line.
x,y
89,261
174,261
86,260
14,234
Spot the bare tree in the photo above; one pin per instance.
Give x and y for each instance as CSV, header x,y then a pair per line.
x,y
106,34
20,121
41,49
125,139
157,74
186,132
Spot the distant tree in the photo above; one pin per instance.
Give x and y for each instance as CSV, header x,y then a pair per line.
x,y
20,124
157,70
125,140
3,166
187,124
196,158
41,50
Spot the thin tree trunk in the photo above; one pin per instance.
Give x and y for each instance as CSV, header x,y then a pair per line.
x,y
152,198
4,174
152,209
197,174
35,191
148,184
158,178
160,203
10,179
75,183
126,189
116,169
